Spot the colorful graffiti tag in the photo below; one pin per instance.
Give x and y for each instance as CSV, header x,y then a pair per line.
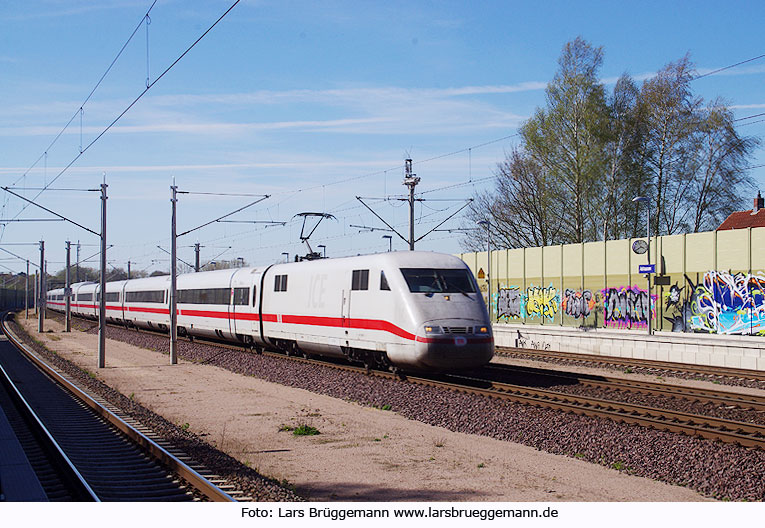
x,y
577,303
511,303
723,303
628,307
542,302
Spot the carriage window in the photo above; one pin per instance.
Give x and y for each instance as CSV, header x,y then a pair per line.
x,y
280,283
360,280
110,296
254,297
426,280
205,296
157,296
384,282
85,297
242,296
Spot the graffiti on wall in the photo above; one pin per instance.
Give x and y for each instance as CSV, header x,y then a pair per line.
x,y
627,307
722,303
509,303
577,303
512,303
542,302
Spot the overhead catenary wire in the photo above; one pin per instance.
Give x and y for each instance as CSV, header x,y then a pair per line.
x,y
468,150
713,72
79,110
138,98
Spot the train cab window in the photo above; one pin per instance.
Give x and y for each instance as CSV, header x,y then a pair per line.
x,y
384,282
242,296
280,283
360,280
428,280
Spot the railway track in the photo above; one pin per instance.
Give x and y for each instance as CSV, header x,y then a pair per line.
x,y
98,455
731,431
702,395
650,364
742,433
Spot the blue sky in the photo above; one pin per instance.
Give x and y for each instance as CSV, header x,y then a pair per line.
x,y
313,103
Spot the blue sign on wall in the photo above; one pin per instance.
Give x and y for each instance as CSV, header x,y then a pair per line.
x,y
647,268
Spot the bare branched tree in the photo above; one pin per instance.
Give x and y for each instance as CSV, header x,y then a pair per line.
x,y
523,209
584,157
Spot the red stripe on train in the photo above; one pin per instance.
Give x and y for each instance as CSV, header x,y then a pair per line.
x,y
308,320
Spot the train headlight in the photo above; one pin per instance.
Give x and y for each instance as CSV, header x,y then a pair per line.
x,y
432,329
482,330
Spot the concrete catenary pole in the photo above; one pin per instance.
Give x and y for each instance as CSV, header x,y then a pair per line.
x,y
41,289
173,277
26,294
411,181
102,303
68,291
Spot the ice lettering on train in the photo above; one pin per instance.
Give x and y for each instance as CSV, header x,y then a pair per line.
x,y
317,289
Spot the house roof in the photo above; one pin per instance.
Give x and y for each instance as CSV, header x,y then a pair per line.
x,y
743,219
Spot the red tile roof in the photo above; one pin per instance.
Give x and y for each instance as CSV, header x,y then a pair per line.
x,y
743,219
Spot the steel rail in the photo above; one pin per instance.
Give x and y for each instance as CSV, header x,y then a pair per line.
x,y
709,370
729,431
743,433
200,483
719,397
82,489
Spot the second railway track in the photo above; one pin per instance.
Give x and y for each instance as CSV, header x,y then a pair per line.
x,y
732,431
710,427
112,458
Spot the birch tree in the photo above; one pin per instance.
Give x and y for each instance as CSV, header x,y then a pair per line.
x,y
567,138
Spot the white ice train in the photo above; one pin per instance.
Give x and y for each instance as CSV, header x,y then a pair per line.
x,y
406,310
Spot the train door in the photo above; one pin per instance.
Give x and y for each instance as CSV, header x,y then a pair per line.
x,y
241,312
345,310
235,301
359,284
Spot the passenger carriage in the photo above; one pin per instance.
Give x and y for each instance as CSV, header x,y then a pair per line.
x,y
411,310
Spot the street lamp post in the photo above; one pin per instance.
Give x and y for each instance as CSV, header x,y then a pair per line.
x,y
643,199
323,250
488,255
286,257
390,242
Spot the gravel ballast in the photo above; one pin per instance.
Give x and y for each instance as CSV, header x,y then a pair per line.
x,y
252,484
718,470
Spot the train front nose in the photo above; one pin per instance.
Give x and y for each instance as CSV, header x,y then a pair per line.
x,y
447,345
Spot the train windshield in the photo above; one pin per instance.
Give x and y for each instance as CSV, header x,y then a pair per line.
x,y
428,280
